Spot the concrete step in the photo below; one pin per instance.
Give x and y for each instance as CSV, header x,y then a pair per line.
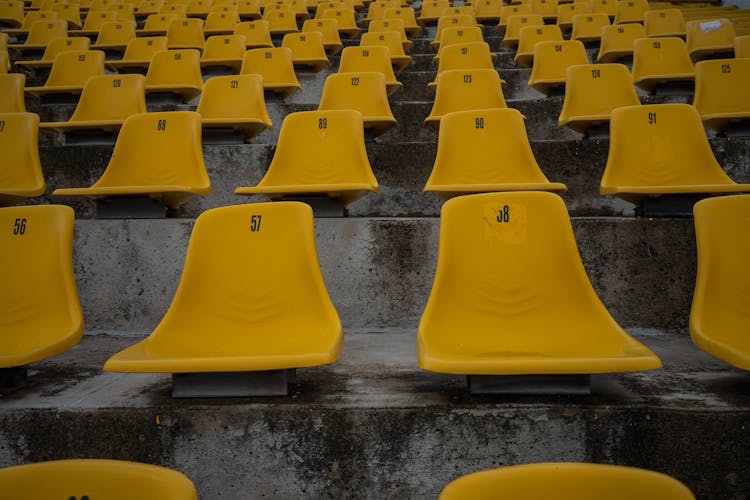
x,y
374,426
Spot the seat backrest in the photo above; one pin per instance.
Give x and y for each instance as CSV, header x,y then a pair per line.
x,y
742,47
62,44
471,55
406,14
150,6
588,26
222,20
461,89
42,32
198,6
38,15
518,21
608,7
74,67
328,27
546,8
234,96
125,11
514,10
664,22
721,86
248,8
379,25
143,48
176,68
376,58
453,22
11,10
620,37
96,19
305,45
717,34
462,34
660,56
116,33
630,11
224,47
597,89
160,21
68,12
390,39
19,144
274,64
530,35
364,91
179,10
11,93
458,10
186,33
255,33
284,19
565,12
551,59
344,17
111,97
321,7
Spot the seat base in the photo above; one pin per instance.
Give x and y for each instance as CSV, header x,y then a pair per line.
x,y
322,206
130,208
232,384
14,377
669,205
529,384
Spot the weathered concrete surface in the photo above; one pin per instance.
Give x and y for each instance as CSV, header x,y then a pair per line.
x,y
375,426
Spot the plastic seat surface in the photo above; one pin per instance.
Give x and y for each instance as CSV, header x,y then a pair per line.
x,y
661,149
40,34
664,22
565,13
281,22
452,21
224,50
94,22
430,12
276,67
70,13
742,47
538,316
329,29
248,9
111,479
463,90
175,71
11,13
462,34
366,59
54,47
237,102
29,19
363,91
256,34
630,11
566,481
346,22
198,8
11,93
592,91
176,9
512,10
156,155
720,317
21,173
488,10
707,37
551,60
387,25
515,23
661,60
617,41
186,34
529,36
221,23
157,24
465,56
545,8
588,27
392,40
115,36
139,52
70,71
485,150
721,92
307,50
38,300
406,15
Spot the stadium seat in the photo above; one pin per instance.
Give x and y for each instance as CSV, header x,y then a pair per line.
x,y
70,71
346,23
664,22
545,8
175,72
235,102
22,173
94,22
566,11
69,12
431,11
617,41
11,13
660,61
567,481
661,149
29,19
364,92
281,22
105,103
276,67
114,36
381,25
721,92
185,34
248,10
220,23
157,24
138,53
224,51
406,15
146,8
125,11
551,60
592,91
41,33
718,319
710,38
515,23
365,59
299,7
323,6
307,50
98,5
256,34
463,90
451,22
538,316
587,28
464,56
742,47
392,40
531,35
41,313
198,8
512,10
319,153
329,29
54,47
459,10
376,10
176,9
630,11
485,150
463,34
488,10
3,41
111,479
608,7
11,93
158,156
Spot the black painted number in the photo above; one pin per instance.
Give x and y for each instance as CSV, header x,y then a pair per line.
x,y
19,227
233,84
322,123
2,125
355,81
479,122
503,215
268,54
652,118
558,48
726,68
116,83
255,223
467,78
657,45
464,51
595,73
161,125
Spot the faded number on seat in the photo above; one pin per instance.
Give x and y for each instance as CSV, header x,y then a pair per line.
x,y
467,78
233,84
726,68
355,81
19,227
595,73
117,83
2,125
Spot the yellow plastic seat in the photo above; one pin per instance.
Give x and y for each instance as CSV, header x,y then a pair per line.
x,y
588,27
39,301
545,8
451,22
488,10
565,13
177,9
21,176
54,47
11,93
157,24
225,51
463,34
371,58
485,150
329,29
281,22
70,13
111,479
11,13
617,41
41,33
125,11
661,149
235,102
407,17
387,25
105,103
721,92
463,90
706,38
115,36
248,9
661,60
321,7
459,10
307,50
529,36
630,11
512,10
431,11
719,318
742,47
592,91
148,7
29,19
319,153
198,8
94,22
392,40
299,7
538,316
515,24
608,7
256,33
186,34
566,481
276,67
346,22
664,22
376,10
138,53
157,155
70,71
365,92
472,55
4,62
175,72
551,60
221,23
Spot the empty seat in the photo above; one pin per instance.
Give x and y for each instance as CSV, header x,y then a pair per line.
x,y
381,25
322,6
175,72
459,10
329,29
592,91
177,9
707,38
94,22
617,41
721,92
198,8
365,92
281,22
515,23
21,175
392,40
111,479
11,93
463,90
29,19
147,7
4,62
567,481
512,10
608,7
451,22
256,34
545,8
431,11
157,155
661,149
538,316
307,50
115,36
376,10
463,34
157,24
365,59
235,102
125,11
225,51
346,23
54,47
551,60
70,71
276,67
39,302
565,13
630,11
664,22
138,53
587,28
485,150
11,13
41,33
70,13
185,34
719,319
742,46
407,17
660,61
529,36
488,10
472,55
105,103
221,23
248,9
